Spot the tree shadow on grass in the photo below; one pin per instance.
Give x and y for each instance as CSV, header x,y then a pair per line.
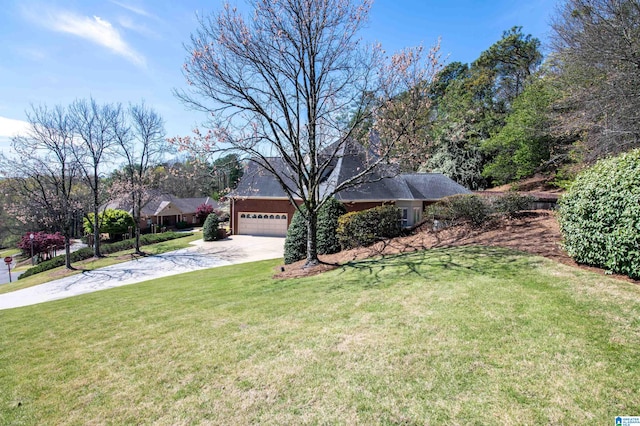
x,y
433,264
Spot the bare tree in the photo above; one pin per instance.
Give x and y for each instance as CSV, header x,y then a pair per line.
x,y
142,145
96,128
280,82
597,51
44,173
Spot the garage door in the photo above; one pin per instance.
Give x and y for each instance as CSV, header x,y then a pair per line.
x,y
270,224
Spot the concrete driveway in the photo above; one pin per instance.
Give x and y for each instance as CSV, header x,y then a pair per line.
x,y
201,255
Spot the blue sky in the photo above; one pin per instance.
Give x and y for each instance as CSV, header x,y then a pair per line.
x,y
53,52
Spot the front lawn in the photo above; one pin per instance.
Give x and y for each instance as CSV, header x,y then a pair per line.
x,y
451,336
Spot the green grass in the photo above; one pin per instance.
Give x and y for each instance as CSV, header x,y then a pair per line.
x,y
8,252
91,264
452,336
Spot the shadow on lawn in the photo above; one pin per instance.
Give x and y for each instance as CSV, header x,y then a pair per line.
x,y
431,264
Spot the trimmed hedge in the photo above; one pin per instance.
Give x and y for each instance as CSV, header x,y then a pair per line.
x,y
210,227
363,228
600,215
87,252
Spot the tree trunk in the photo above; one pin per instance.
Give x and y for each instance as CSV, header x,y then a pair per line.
x,y
96,229
137,202
67,252
312,239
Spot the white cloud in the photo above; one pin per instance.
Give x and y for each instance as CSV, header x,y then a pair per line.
x,y
10,127
137,10
96,30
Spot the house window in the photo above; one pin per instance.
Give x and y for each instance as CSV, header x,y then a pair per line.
x,y
242,216
417,216
404,214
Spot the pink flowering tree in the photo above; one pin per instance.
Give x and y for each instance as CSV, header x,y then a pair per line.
x,y
42,243
203,211
294,80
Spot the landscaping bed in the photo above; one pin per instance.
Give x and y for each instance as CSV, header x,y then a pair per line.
x,y
536,232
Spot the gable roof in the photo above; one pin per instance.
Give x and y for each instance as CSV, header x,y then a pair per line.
x,y
382,183
160,203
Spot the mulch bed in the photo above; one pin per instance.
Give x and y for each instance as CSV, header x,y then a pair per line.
x,y
536,232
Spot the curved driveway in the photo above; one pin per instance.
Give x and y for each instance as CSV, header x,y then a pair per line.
x,y
202,255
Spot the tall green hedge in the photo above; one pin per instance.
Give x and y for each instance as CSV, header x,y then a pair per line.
x,y
363,228
600,215
327,224
295,245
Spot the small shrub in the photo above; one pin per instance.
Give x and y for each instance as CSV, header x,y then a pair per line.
x,y
295,245
210,227
461,207
600,215
363,228
512,203
182,225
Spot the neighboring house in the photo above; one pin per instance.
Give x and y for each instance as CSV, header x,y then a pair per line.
x,y
163,209
259,205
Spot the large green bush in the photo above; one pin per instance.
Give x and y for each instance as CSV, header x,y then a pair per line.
x,y
295,245
600,215
210,227
112,221
87,252
363,228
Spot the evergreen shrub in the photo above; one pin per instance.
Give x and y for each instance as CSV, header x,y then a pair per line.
x,y
461,207
363,228
210,227
600,215
295,245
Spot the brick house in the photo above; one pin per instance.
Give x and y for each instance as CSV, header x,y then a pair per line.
x,y
260,206
163,209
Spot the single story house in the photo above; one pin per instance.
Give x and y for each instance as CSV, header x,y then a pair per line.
x,y
260,206
162,209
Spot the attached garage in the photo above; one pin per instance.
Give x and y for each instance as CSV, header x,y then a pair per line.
x,y
268,224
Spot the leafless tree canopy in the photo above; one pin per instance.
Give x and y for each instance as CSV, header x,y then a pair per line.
x,y
45,174
96,129
281,82
597,48
141,142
